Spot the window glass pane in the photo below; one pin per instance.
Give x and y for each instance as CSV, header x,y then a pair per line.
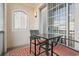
x,y
19,20
50,29
62,9
61,23
58,18
71,25
50,35
50,21
50,5
54,4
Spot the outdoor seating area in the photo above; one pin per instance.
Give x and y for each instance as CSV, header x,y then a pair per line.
x,y
39,29
50,45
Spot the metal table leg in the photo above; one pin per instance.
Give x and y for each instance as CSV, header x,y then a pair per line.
x,y
47,47
51,48
30,44
35,47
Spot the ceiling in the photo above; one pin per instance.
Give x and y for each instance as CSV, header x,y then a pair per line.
x,y
33,4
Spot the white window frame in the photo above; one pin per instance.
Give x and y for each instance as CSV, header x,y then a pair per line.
x,y
19,29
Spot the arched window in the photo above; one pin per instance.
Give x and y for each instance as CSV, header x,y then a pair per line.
x,y
19,20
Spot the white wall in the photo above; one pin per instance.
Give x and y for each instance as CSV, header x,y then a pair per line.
x,y
76,15
39,24
17,38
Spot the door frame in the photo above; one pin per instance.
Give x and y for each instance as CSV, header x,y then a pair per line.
x,y
41,7
5,28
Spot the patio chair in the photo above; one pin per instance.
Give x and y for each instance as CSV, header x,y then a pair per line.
x,y
35,40
48,46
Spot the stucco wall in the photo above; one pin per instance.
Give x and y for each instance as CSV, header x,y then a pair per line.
x,y
17,38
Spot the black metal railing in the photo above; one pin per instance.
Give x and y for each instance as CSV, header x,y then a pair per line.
x,y
65,43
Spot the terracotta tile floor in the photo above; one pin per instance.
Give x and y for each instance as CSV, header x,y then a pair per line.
x,y
24,51
59,49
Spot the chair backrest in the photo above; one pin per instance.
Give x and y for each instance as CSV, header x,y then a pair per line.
x,y
56,40
34,32
53,41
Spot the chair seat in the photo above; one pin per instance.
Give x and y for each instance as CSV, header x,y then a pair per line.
x,y
44,47
40,41
64,51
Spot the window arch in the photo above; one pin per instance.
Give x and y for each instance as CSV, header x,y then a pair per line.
x,y
19,20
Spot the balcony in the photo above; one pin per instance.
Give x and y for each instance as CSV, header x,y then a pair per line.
x,y
47,18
